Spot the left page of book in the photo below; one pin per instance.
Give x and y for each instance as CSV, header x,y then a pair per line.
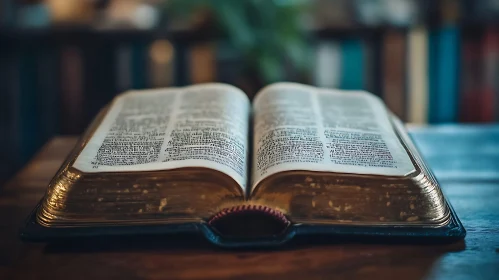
x,y
204,125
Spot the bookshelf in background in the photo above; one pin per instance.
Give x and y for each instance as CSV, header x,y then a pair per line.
x,y
431,61
373,39
479,93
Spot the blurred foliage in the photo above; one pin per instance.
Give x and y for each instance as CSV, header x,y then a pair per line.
x,y
268,33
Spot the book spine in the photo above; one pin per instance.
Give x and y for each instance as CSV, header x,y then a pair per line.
x,y
9,110
328,63
229,63
370,65
377,64
417,75
490,47
394,57
28,114
352,64
139,65
161,63
496,74
444,65
98,62
202,63
123,67
48,92
432,72
180,71
5,115
444,69
71,98
470,79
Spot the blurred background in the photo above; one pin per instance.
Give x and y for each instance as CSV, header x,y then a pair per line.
x,y
432,61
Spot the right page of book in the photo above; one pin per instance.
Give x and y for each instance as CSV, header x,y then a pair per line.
x,y
299,127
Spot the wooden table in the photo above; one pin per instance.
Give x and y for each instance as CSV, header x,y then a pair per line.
x,y
466,160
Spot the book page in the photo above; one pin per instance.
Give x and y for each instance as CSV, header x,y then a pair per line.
x,y
298,127
198,126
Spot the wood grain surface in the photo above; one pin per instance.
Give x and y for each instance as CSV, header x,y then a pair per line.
x,y
474,197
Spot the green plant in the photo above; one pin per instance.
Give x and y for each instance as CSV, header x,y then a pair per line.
x,y
266,32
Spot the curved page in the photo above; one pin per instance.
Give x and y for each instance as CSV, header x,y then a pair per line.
x,y
298,127
197,126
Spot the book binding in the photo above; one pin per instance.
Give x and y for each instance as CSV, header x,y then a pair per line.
x,y
274,231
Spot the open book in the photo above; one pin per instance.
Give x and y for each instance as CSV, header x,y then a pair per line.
x,y
299,158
